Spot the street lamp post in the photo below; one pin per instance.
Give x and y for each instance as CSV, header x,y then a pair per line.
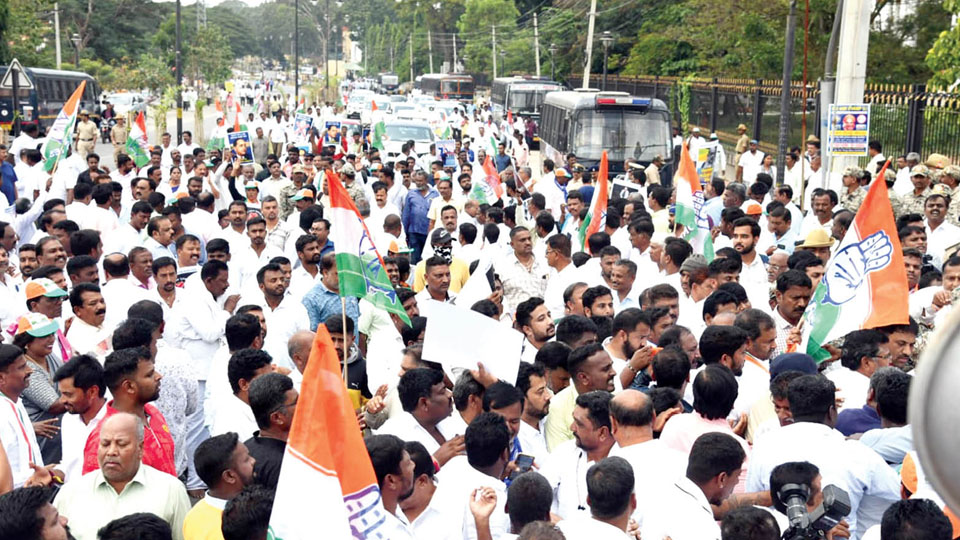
x,y
553,64
75,38
606,39
179,69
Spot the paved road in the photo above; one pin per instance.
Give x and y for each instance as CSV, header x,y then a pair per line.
x,y
105,150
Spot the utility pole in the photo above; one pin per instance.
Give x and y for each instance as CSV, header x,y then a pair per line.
x,y
827,89
296,54
454,53
785,90
56,31
851,66
326,51
589,58
430,48
411,58
391,58
179,67
493,34
536,44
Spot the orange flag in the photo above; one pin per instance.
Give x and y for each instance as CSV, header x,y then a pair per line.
x,y
325,465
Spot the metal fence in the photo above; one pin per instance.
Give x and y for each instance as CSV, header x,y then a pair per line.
x,y
904,118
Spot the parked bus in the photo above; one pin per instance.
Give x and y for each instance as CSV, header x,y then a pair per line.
x,y
456,86
51,90
586,122
523,96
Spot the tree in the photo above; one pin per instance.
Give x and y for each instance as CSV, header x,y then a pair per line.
x,y
475,24
943,59
209,56
153,73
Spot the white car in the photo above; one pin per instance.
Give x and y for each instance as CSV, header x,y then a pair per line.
x,y
399,132
127,102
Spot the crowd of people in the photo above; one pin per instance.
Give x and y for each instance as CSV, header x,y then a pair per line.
x,y
158,320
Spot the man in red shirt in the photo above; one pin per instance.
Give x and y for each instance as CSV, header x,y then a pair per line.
x,y
134,383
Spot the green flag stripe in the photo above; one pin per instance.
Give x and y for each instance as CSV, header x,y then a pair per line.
x,y
353,274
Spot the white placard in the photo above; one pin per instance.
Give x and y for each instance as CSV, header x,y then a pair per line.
x,y
458,339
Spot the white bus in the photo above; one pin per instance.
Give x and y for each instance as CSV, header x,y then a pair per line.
x,y
587,122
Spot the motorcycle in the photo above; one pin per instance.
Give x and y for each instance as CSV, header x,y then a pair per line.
x,y
105,127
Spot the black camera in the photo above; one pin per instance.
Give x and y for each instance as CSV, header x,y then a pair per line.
x,y
809,525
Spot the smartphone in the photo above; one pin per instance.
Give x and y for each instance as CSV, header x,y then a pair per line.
x,y
524,462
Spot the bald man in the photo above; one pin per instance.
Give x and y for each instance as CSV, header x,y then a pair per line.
x,y
122,485
298,347
655,466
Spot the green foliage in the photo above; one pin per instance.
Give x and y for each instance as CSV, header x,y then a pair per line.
x,y
209,56
943,59
479,16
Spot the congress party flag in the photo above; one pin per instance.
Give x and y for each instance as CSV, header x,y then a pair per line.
x,y
61,133
137,146
597,215
865,285
359,264
690,211
327,482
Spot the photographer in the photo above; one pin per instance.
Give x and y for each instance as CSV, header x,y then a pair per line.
x,y
805,474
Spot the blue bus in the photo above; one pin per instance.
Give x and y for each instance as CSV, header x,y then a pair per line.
x,y
51,90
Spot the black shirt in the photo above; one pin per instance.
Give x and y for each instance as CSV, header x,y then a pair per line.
x,y
269,455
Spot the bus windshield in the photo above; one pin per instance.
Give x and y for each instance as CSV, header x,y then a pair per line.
x,y
622,133
456,87
528,101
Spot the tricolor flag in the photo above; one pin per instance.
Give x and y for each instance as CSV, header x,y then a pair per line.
x,y
597,216
61,133
217,141
326,479
865,285
690,211
137,146
489,190
359,264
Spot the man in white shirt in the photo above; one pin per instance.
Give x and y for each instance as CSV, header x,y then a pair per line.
x,y
426,403
255,254
187,146
197,322
82,390
532,382
395,477
655,466
875,151
862,354
553,186
562,272
848,464
712,471
234,414
284,312
87,333
119,293
610,495
487,441
750,163
16,430
569,461
941,234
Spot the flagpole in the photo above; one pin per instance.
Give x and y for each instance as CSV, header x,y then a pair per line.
x,y
346,346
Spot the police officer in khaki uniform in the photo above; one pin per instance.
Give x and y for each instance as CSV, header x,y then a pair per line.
x,y
853,194
118,136
86,134
743,142
913,202
950,177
